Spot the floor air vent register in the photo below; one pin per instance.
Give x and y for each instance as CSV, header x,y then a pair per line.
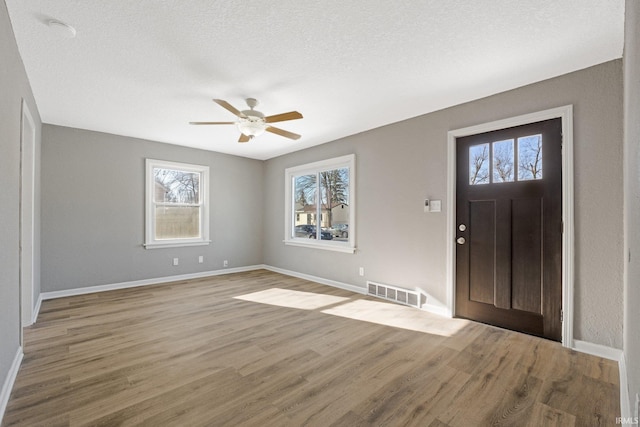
x,y
395,294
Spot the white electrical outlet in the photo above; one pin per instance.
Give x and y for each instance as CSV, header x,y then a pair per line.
x,y
200,259
225,263
362,271
175,261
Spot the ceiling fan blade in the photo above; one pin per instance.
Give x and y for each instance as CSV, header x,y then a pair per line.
x,y
291,115
282,132
244,138
229,107
212,123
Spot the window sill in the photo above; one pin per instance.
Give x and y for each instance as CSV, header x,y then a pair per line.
x,y
174,244
323,246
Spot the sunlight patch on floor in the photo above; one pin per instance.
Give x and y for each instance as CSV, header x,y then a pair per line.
x,y
398,316
292,299
379,312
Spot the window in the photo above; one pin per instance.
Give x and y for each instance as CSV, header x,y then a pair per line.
x,y
503,161
320,204
530,157
177,204
479,164
506,166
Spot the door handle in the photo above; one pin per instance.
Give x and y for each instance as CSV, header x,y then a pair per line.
x,y
461,240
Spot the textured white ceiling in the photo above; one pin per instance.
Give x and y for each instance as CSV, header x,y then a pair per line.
x,y
146,68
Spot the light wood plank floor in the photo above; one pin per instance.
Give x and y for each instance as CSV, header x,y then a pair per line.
x,y
263,349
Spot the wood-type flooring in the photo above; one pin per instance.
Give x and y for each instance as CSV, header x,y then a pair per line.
x,y
264,349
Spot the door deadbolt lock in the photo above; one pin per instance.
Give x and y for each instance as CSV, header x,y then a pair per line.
x,y
461,240
462,227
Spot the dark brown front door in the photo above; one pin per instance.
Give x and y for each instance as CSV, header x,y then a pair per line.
x,y
509,228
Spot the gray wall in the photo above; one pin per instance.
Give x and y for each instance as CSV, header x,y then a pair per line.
x,y
93,210
401,164
632,195
14,86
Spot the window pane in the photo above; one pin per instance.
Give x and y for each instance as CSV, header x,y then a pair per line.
x,y
530,157
177,222
479,164
305,207
334,197
503,170
174,186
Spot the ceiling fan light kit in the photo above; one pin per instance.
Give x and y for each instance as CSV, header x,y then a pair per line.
x,y
251,127
252,123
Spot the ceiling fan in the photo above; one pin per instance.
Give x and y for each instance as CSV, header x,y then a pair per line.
x,y
252,123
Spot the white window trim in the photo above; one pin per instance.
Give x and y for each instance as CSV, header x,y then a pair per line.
x,y
348,161
150,241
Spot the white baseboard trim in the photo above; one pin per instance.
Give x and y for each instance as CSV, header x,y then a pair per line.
x,y
7,386
436,309
321,280
612,354
597,350
625,402
145,282
36,309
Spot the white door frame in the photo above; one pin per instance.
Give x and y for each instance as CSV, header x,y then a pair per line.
x,y
27,215
566,114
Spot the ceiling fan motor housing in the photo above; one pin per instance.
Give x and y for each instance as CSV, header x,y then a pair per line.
x,y
253,114
252,102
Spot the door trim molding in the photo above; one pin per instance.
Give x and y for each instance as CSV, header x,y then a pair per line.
x,y
27,215
566,114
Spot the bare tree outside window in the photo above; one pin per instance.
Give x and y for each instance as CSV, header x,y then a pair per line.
x,y
479,164
305,189
530,157
334,187
503,161
177,186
